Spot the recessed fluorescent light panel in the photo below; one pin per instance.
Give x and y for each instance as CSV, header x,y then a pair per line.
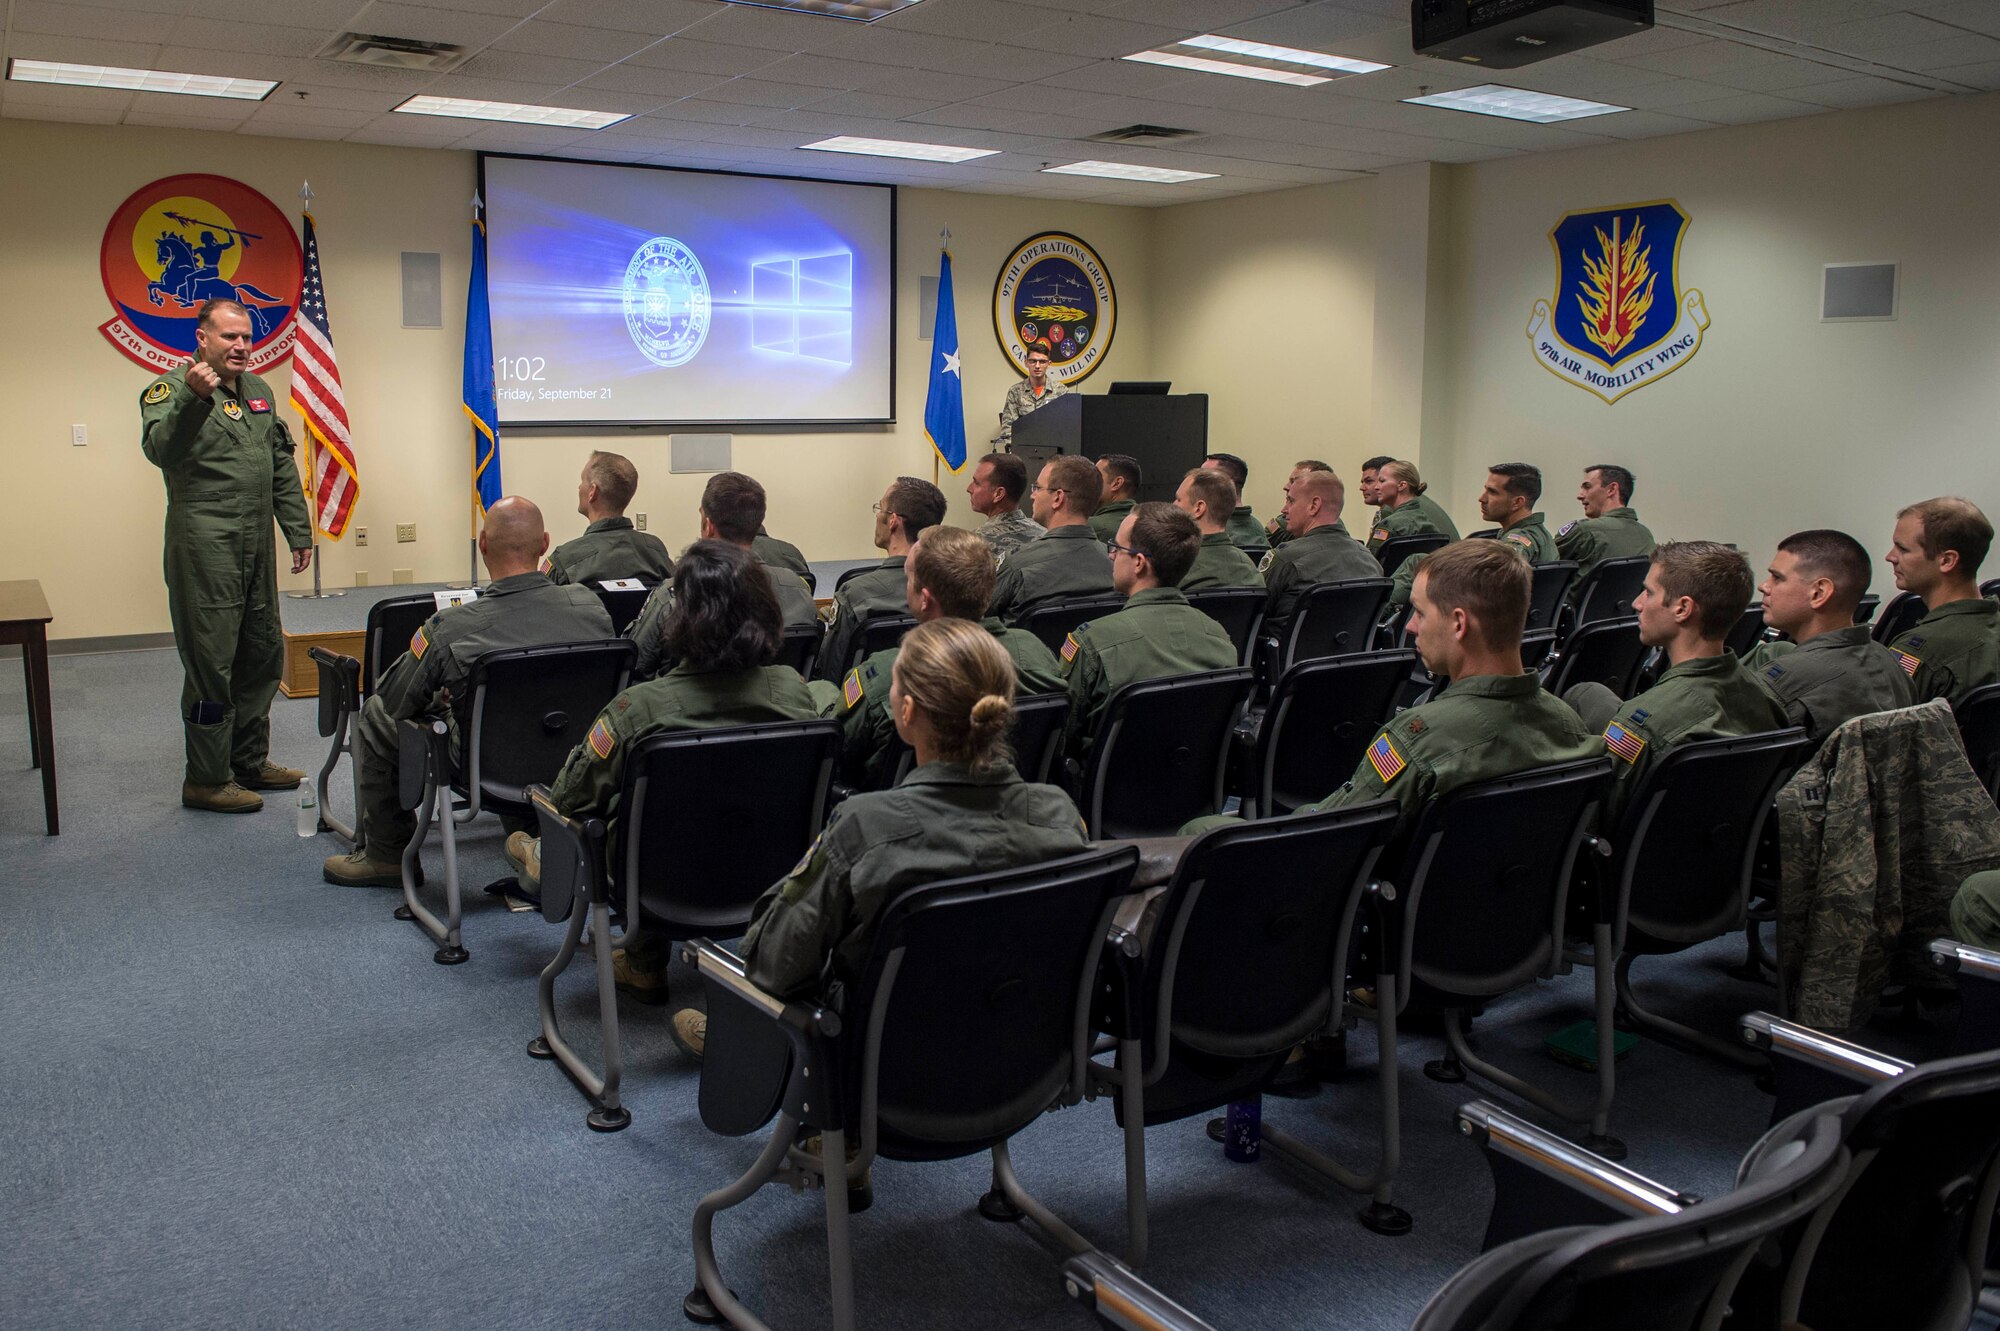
x,y
1211,54
916,152
863,11
1156,175
1537,108
138,80
556,117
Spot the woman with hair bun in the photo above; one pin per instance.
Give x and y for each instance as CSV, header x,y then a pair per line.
x,y
962,810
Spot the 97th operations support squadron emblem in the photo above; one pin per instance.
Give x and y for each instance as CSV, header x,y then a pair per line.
x,y
183,241
1054,292
1613,324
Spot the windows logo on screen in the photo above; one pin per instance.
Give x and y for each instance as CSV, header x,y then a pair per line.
x,y
804,307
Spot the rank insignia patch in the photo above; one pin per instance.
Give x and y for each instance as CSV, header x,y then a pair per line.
x,y
1908,662
158,393
1623,742
1382,756
850,689
601,739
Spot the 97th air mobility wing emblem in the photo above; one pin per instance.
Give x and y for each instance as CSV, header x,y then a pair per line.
x,y
183,241
1619,319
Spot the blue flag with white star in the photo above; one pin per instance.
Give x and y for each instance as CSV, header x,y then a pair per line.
x,y
477,392
944,404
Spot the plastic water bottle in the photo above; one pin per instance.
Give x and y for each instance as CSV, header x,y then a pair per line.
x,y
1242,1133
308,809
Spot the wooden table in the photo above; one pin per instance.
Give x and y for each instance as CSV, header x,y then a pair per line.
x,y
24,619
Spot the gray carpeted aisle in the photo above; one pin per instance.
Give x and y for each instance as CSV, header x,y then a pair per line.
x,y
239,1097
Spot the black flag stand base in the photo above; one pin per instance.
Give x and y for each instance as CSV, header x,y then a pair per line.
x,y
316,594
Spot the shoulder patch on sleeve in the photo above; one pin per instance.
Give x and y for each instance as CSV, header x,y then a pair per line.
x,y
420,642
1069,647
1382,756
601,740
1638,717
1774,672
548,563
1568,527
1413,726
1264,564
1379,534
1520,538
850,689
1905,660
158,393
1623,742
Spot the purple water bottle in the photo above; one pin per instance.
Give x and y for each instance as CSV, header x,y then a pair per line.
x,y
1242,1131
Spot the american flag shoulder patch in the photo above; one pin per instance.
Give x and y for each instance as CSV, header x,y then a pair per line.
x,y
1908,662
419,643
1623,742
602,741
1069,647
850,689
1382,756
547,563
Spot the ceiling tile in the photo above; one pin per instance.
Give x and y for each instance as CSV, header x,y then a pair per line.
x,y
701,57
1649,124
541,70
761,92
1116,78
331,15
818,72
1749,108
878,105
426,24
1863,91
639,81
655,17
1204,15
1977,15
573,41
975,20
1104,38
338,99
1985,76
1322,27
1941,57
276,112
1014,64
1888,31
85,50
288,129
47,16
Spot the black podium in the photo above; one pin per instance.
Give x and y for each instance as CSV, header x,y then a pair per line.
x,y
1167,433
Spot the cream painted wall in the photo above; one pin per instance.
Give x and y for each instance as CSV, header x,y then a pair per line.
x,y
1266,302
86,521
1780,422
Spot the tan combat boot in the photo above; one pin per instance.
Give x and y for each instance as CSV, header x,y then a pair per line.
x,y
360,869
270,777
225,798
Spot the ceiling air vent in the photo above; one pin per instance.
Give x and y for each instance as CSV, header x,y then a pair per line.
x,y
360,48
1145,134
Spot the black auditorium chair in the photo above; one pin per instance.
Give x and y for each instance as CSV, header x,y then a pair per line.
x,y
1121,1299
1748,631
1599,1247
1979,726
1160,752
1237,609
1328,619
1682,857
345,683
1312,734
1545,594
1210,988
622,605
708,819
1897,618
1537,645
1606,592
1904,1243
880,630
1483,534
1053,621
1977,971
1606,652
1484,896
847,574
1039,723
1255,553
530,706
1865,608
800,647
1990,589
1392,552
969,1019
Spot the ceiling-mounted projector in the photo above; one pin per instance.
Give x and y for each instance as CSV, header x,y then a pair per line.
x,y
1506,34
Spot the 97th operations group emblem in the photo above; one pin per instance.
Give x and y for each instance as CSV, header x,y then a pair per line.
x,y
185,240
1619,319
1054,292
666,302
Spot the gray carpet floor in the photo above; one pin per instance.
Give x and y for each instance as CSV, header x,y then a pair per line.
x,y
238,1097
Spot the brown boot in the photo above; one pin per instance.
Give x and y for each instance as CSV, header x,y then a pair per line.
x,y
634,978
689,1032
225,798
270,777
524,856
362,869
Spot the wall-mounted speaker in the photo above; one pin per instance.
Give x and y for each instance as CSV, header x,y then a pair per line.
x,y
698,452
423,290
1850,291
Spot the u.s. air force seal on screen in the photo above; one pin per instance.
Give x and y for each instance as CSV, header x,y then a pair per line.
x,y
666,302
1053,292
183,241
1619,319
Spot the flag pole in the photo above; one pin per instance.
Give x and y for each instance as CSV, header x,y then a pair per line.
x,y
305,484
472,515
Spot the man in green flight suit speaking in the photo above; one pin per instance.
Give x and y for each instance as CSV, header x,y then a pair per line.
x,y
212,428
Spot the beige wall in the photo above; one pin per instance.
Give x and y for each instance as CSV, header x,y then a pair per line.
x,y
86,521
1780,422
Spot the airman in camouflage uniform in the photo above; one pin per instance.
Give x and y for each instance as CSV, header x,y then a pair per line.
x,y
610,548
1029,395
212,428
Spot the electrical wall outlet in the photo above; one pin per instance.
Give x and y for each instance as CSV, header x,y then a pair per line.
x,y
361,577
79,435
402,576
406,531
360,536
640,522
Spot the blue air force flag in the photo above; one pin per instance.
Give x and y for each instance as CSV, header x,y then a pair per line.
x,y
944,404
481,404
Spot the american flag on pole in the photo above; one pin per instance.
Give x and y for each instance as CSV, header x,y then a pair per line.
x,y
335,481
